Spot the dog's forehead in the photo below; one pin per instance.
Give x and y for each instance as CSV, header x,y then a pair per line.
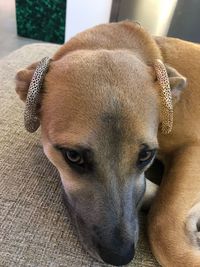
x,y
91,91
94,67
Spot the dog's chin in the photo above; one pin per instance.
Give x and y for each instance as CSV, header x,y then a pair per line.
x,y
86,240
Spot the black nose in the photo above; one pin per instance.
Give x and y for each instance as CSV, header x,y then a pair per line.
x,y
114,258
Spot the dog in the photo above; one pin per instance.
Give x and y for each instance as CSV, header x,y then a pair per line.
x,y
108,102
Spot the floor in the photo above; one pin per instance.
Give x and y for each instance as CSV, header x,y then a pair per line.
x,y
9,40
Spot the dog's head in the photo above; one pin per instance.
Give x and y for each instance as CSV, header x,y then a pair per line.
x,y
99,113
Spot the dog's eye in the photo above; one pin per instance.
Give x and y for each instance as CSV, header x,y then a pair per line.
x,y
145,157
80,159
73,156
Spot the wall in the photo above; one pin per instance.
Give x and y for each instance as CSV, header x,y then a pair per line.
x,y
83,14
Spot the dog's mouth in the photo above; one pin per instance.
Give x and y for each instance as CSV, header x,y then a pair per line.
x,y
95,250
81,228
88,243
91,245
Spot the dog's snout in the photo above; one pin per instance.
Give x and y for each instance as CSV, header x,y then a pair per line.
x,y
116,245
117,257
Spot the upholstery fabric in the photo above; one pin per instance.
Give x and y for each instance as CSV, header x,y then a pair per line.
x,y
35,229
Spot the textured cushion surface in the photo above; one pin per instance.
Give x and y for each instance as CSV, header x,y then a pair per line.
x,y
35,229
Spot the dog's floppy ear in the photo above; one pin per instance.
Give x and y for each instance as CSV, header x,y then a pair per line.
x,y
171,83
177,82
23,79
28,86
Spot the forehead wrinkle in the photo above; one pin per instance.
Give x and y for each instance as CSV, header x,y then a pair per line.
x,y
71,137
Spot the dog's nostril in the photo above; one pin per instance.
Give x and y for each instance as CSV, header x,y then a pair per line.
x,y
111,256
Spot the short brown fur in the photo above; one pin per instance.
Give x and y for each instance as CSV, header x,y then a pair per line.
x,y
114,62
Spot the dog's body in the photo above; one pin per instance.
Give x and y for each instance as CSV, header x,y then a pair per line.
x,y
102,99
175,239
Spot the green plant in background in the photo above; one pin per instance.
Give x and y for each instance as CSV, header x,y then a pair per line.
x,y
41,19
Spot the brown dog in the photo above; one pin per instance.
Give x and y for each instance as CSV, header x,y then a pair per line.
x,y
101,104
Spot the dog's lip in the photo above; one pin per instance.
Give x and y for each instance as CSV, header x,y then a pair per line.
x,y
90,250
74,217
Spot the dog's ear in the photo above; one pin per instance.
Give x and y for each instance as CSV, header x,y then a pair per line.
x,y
177,83
171,84
28,85
23,79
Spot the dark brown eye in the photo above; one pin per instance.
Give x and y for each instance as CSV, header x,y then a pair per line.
x,y
80,159
73,156
145,157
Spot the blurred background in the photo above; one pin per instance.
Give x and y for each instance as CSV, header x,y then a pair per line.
x,y
56,21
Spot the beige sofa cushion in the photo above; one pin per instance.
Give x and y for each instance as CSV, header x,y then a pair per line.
x,y
35,229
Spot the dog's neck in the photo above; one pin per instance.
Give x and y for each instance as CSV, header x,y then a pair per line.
x,y
122,36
